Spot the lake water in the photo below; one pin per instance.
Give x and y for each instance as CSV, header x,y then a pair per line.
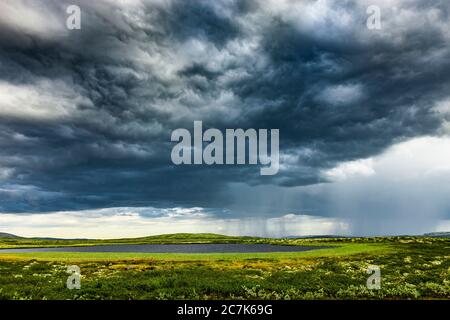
x,y
172,248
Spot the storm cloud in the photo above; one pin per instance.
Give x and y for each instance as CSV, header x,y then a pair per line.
x,y
86,115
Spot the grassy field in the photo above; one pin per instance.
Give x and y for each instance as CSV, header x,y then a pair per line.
x,y
411,267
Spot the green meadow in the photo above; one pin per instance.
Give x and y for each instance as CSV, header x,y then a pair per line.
x,y
411,268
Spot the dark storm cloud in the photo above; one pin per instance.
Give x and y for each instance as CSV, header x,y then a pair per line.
x,y
86,115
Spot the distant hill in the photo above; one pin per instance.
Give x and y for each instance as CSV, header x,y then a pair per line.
x,y
163,238
438,234
316,237
195,238
9,235
5,235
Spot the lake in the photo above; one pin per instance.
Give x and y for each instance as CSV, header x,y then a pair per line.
x,y
172,248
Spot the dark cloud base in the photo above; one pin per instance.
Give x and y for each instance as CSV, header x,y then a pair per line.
x,y
117,88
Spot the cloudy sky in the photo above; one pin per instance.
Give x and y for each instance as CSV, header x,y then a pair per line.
x,y
86,116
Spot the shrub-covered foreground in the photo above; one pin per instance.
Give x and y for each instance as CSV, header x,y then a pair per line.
x,y
412,268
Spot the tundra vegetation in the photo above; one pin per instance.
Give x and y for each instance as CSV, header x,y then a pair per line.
x,y
411,268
